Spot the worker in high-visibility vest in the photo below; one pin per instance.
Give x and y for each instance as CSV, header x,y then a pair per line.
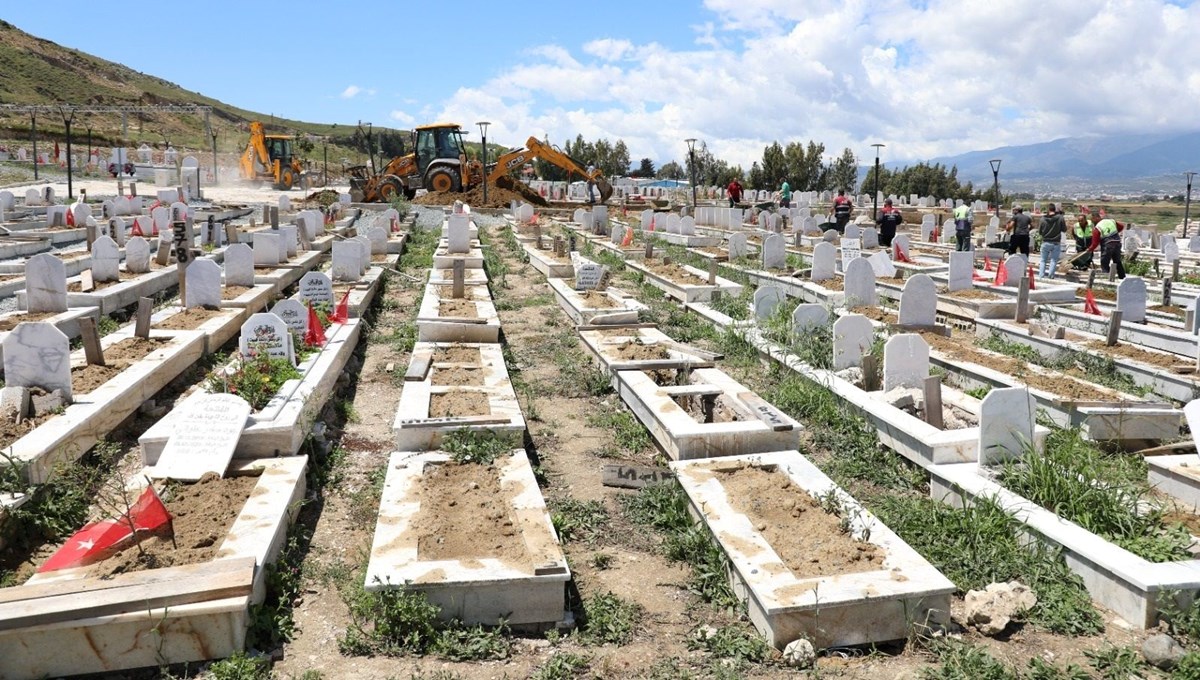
x,y
962,227
1083,234
1106,235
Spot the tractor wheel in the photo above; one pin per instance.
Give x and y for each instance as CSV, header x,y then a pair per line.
x,y
286,179
443,181
389,189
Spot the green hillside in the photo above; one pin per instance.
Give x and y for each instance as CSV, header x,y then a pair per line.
x,y
37,71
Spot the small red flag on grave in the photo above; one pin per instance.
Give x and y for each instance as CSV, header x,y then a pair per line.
x,y
1001,276
341,313
70,217
534,219
898,255
99,540
1089,304
1030,277
651,224
975,276
315,335
136,230
987,264
628,239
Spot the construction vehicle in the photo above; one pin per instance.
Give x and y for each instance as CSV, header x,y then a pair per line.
x,y
439,163
269,158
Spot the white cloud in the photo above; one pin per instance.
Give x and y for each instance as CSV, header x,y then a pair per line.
x,y
351,92
402,117
931,78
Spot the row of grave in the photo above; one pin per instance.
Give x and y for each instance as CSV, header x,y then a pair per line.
x,y
958,460
201,611
708,423
457,383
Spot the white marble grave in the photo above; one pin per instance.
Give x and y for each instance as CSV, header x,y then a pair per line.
x,y
905,362
45,284
852,338
37,354
1006,420
202,284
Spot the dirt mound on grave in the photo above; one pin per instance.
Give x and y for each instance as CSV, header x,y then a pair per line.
x,y
202,514
637,351
457,355
459,404
465,516
321,198
809,540
188,320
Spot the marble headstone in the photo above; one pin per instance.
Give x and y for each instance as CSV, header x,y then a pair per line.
x,y
737,245
106,260
918,301
807,316
766,299
294,314
137,255
774,256
962,271
265,332
346,261
239,265
1131,299
881,262
1006,422
45,284
852,337
206,435
203,289
859,284
37,354
266,248
905,362
824,262
315,287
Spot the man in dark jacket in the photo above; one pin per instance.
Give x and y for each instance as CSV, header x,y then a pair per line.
x,y
1019,225
889,219
1051,230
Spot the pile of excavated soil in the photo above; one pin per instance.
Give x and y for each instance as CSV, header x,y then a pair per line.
x,y
497,198
636,351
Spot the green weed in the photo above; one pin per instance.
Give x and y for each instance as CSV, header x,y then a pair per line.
x,y
609,619
627,431
1115,663
576,520
563,666
241,667
732,642
475,446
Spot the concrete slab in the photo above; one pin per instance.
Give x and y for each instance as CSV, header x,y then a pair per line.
x,y
699,291
432,326
830,610
623,310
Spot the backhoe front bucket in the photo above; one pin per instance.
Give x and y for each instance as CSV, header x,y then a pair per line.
x,y
606,190
506,182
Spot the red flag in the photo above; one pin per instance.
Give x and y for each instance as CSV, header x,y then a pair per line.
x,y
899,255
625,242
651,224
534,219
1001,276
976,277
136,230
1030,277
987,264
55,160
102,539
1089,304
341,313
70,217
315,335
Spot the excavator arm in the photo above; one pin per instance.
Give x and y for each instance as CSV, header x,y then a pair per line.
x,y
535,148
255,160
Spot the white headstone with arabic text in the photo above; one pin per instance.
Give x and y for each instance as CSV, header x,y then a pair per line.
x,y
206,435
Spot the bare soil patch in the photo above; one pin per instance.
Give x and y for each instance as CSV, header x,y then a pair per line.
x,y
455,404
122,276
1162,360
457,375
835,283
464,309
24,317
465,515
1097,293
674,272
188,319
969,294
117,358
876,314
233,292
202,515
594,299
808,539
636,351
457,355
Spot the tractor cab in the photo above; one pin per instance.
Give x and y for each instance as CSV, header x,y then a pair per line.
x,y
279,148
438,142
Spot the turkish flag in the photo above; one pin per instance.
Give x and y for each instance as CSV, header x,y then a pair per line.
x,y
315,336
1030,277
899,255
100,540
56,152
1089,304
341,313
625,242
987,264
1001,275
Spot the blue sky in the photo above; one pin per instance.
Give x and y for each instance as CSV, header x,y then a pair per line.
x,y
925,77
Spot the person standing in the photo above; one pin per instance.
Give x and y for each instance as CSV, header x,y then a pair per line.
x,y
1051,230
842,209
1082,234
785,195
1019,224
591,184
735,192
1106,234
889,219
962,227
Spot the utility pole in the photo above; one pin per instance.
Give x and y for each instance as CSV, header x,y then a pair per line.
x,y
875,191
1187,203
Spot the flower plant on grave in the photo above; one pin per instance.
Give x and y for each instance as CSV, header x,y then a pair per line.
x,y
256,379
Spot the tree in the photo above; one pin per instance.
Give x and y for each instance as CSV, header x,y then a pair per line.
x,y
646,169
843,174
670,170
774,166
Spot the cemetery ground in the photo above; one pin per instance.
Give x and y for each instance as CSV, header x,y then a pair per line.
x,y
648,591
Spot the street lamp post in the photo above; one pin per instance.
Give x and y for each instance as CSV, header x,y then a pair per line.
x,y
691,142
995,162
1187,202
875,192
483,126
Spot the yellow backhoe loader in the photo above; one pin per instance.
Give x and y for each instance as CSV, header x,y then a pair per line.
x,y
269,158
